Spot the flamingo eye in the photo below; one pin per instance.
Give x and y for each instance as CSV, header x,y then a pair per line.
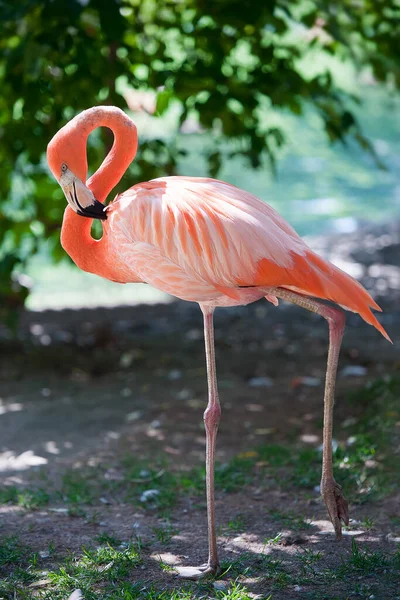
x,y
64,167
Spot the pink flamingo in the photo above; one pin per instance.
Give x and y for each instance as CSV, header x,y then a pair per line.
x,y
204,241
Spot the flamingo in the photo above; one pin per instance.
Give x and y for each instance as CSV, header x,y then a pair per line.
x,y
204,241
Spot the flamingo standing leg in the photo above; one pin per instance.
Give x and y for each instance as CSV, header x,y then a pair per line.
x,y
331,491
211,420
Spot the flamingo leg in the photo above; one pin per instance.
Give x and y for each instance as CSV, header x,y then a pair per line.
x,y
331,492
211,420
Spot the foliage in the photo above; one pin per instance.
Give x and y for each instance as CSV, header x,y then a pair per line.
x,y
224,63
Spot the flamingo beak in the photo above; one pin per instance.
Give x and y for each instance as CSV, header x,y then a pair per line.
x,y
79,197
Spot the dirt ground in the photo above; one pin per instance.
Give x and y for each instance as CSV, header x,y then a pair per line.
x,y
88,388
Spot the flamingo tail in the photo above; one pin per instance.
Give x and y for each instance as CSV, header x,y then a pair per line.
x,y
311,275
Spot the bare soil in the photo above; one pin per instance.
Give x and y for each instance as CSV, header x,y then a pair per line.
x,y
90,387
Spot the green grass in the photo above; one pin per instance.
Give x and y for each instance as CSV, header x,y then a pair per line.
x,y
12,551
106,538
290,519
116,572
77,488
165,533
365,464
26,498
368,562
102,573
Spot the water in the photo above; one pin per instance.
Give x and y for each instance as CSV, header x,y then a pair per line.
x,y
319,188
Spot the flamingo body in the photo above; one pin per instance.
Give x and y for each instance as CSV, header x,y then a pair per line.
x,y
204,240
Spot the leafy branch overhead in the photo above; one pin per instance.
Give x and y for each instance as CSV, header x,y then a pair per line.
x,y
222,64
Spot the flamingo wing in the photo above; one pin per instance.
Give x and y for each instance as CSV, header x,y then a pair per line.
x,y
159,271
221,235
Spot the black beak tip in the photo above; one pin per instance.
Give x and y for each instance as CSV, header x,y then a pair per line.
x,y
94,211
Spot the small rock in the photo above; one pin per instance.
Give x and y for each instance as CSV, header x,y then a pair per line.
x,y
126,359
220,585
260,382
393,538
184,394
291,540
174,374
44,553
297,588
76,595
194,334
133,416
149,495
352,532
126,392
45,340
307,381
353,371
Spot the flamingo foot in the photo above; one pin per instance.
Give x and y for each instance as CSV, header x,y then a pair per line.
x,y
196,573
336,504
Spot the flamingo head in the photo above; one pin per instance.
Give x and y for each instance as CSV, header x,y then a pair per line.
x,y
79,196
66,156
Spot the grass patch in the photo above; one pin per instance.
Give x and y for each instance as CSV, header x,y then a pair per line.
x,y
105,538
367,562
290,520
12,552
273,571
77,488
165,533
365,465
25,498
151,487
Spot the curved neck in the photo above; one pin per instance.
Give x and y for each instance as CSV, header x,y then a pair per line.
x,y
76,239
90,254
122,153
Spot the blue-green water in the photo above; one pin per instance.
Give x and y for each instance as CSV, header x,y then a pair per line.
x,y
319,188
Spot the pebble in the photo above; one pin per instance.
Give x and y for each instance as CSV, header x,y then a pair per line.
x,y
352,532
393,538
76,595
126,392
133,416
149,495
307,381
174,374
194,334
220,585
260,382
353,371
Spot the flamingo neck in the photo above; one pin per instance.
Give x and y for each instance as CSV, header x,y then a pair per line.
x,y
122,153
90,254
86,252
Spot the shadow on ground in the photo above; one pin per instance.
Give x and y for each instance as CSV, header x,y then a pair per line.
x,y
102,447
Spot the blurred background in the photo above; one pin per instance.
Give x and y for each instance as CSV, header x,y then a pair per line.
x,y
295,101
